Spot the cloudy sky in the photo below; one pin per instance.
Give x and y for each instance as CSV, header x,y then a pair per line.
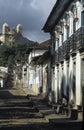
x,y
32,14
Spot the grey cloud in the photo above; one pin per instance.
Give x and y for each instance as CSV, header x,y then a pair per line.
x,y
32,14
37,36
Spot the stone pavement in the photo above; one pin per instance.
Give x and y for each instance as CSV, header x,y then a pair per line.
x,y
17,110
28,91
20,111
55,120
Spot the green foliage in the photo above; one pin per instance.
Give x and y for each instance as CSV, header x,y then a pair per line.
x,y
4,54
18,53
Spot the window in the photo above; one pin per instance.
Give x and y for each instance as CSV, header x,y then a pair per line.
x,y
62,38
67,32
73,9
82,19
74,26
57,43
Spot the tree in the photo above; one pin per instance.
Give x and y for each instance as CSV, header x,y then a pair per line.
x,y
4,54
18,53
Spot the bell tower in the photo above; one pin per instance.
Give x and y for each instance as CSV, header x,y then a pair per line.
x,y
19,29
5,30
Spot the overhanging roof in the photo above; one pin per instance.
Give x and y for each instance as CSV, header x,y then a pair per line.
x,y
34,60
56,14
40,59
44,57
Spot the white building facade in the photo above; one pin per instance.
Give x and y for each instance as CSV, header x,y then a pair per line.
x,y
66,27
35,70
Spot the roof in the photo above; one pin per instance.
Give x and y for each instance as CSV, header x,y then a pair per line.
x,y
43,46
34,60
44,57
40,59
46,43
56,13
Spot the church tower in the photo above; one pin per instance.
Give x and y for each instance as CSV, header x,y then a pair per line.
x,y
5,30
11,36
19,29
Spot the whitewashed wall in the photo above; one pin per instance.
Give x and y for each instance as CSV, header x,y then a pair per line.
x,y
35,53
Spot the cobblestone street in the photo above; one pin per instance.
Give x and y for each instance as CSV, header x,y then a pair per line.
x,y
20,111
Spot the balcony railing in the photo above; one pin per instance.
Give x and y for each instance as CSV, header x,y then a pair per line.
x,y
72,43
79,38
60,53
75,42
66,48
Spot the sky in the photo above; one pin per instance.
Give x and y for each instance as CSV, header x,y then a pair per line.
x,y
31,14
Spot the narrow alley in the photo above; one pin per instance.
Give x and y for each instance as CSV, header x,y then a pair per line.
x,y
21,111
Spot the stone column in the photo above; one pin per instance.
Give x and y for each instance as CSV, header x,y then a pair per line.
x,y
56,84
71,79
78,79
82,80
60,80
65,78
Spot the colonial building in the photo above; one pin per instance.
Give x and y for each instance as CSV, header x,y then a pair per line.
x,y
66,27
10,36
37,69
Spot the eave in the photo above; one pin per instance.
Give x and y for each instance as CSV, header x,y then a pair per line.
x,y
59,8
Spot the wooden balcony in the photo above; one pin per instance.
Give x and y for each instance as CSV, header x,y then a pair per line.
x,y
72,44
60,54
79,38
66,49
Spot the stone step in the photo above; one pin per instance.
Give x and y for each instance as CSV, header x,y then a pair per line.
x,y
42,107
24,123
14,100
47,112
17,109
55,116
39,124
19,115
16,104
66,123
